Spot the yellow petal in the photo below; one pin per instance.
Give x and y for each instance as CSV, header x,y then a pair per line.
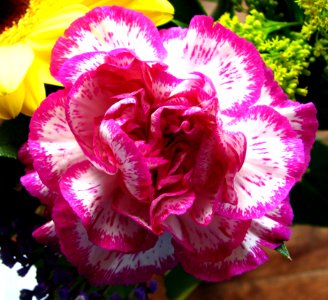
x,y
46,32
157,18
11,104
15,60
160,11
34,89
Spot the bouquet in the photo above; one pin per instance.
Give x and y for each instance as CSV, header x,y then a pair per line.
x,y
148,142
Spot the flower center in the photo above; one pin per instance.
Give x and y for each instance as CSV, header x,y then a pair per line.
x,y
11,11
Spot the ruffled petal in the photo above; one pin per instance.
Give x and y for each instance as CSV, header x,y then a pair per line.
x,y
32,183
246,257
101,266
105,29
208,179
302,117
170,203
135,173
51,142
25,157
274,161
46,234
162,84
233,64
88,101
209,243
90,193
274,227
126,205
79,64
268,231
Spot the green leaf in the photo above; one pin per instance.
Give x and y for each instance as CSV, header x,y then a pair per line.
x,y
179,285
282,249
8,151
180,24
13,134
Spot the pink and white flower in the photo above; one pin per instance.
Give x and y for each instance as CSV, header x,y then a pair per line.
x,y
165,147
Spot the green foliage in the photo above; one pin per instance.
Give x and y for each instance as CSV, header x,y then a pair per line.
x,y
316,12
287,55
315,27
290,45
268,7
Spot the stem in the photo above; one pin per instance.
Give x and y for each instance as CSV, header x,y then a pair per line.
x,y
272,26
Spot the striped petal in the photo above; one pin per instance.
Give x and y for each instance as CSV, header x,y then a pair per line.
x,y
32,183
167,204
101,266
84,106
46,234
126,205
105,29
208,179
273,162
246,257
51,142
274,227
233,64
209,243
90,193
135,173
89,99
268,231
162,84
74,67
302,117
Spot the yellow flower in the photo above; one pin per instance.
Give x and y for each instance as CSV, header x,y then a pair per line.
x,y
28,31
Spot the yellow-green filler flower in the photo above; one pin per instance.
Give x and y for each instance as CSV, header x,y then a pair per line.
x,y
28,31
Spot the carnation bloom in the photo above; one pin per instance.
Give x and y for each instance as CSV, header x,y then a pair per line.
x,y
165,147
28,31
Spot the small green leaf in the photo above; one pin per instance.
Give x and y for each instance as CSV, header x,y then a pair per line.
x,y
282,249
8,151
13,134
